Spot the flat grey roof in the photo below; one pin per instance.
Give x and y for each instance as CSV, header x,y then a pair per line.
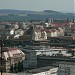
x,y
43,69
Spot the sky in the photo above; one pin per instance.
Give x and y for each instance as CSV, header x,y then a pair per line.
x,y
39,5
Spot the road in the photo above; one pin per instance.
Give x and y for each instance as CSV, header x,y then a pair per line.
x,y
8,74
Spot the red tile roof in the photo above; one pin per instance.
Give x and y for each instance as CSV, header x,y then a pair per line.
x,y
9,49
73,26
59,24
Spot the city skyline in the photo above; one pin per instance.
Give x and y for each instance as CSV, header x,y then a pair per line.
x,y
39,5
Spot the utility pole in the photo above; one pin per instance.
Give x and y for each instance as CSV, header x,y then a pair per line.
x,y
1,55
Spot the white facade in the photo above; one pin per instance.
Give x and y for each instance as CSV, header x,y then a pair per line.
x,y
66,68
12,56
40,35
54,34
60,32
47,25
57,33
11,32
19,32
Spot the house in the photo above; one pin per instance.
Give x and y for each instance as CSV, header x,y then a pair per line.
x,y
12,32
12,56
22,25
39,34
19,31
60,31
6,32
54,33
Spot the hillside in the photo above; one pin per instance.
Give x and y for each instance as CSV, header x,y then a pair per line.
x,y
23,15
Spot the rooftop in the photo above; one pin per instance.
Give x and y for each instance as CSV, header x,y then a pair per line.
x,y
68,63
43,69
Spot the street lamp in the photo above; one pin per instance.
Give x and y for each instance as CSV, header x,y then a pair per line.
x,y
1,56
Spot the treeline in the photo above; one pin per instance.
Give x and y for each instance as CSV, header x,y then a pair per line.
x,y
13,17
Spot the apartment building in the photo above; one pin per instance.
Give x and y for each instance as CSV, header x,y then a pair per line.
x,y
30,59
39,35
66,68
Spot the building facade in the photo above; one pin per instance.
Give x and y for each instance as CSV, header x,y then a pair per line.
x,y
66,68
30,60
39,35
12,56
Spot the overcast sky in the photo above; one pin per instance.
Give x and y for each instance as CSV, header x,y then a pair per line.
x,y
38,5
